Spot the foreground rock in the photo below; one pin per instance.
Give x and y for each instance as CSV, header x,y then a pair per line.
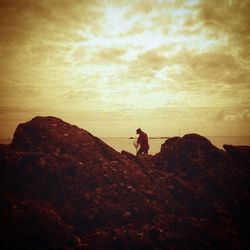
x,y
63,188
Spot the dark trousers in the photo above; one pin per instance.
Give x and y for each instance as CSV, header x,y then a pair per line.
x,y
142,151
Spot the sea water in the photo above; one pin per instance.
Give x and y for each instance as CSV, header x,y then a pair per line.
x,y
123,143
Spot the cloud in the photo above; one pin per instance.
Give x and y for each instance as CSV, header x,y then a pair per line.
x,y
239,116
100,55
80,99
9,89
10,110
220,116
245,115
229,19
186,60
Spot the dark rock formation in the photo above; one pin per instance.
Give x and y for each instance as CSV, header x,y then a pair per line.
x,y
239,154
63,188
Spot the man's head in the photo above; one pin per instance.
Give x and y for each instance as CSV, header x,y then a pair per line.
x,y
138,131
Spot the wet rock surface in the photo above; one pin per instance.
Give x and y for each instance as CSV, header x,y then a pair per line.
x,y
63,188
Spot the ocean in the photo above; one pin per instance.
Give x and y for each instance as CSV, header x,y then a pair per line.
x,y
124,143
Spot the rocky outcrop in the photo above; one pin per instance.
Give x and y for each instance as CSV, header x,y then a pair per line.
x,y
56,137
63,188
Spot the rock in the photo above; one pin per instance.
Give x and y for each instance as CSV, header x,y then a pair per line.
x,y
37,135
239,154
63,188
191,154
32,223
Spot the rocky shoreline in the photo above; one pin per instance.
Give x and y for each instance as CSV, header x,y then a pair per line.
x,y
63,188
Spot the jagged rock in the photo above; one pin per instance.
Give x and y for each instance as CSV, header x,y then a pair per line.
x,y
63,188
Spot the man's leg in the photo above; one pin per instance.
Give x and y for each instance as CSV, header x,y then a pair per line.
x,y
139,151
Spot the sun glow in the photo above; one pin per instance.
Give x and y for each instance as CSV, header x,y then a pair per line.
x,y
115,22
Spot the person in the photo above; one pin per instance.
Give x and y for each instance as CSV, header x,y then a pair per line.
x,y
142,141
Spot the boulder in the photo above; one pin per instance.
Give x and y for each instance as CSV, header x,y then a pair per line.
x,y
192,154
53,136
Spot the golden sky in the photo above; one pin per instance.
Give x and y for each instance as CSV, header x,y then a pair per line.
x,y
113,66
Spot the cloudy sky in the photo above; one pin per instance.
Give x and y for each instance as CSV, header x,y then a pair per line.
x,y
113,66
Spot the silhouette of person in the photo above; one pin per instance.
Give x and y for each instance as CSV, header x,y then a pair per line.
x,y
142,141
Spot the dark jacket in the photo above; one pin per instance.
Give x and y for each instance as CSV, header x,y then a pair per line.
x,y
143,141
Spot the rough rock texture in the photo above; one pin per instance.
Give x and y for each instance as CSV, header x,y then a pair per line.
x,y
62,188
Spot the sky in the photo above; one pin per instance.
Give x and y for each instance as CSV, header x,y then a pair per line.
x,y
111,67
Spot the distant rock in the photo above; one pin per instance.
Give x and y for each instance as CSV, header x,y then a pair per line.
x,y
63,188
